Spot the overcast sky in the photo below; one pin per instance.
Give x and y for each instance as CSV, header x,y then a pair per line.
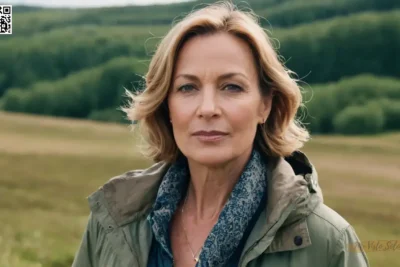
x,y
88,3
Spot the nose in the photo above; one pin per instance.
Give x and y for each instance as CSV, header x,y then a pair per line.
x,y
208,106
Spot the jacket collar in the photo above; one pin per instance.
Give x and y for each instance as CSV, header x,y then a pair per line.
x,y
293,193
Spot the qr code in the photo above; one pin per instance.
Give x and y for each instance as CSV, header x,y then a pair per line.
x,y
5,19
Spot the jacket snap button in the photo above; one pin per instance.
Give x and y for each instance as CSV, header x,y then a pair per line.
x,y
298,240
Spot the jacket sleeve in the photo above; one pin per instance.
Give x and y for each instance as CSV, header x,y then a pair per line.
x,y
348,251
85,256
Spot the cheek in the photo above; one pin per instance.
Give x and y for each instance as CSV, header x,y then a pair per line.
x,y
180,112
243,119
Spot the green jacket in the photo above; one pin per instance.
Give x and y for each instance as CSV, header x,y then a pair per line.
x,y
295,230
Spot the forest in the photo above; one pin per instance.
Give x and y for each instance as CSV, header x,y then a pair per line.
x,y
78,62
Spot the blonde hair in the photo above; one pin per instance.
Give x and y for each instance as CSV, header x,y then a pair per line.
x,y
281,134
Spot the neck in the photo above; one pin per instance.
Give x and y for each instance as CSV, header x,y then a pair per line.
x,y
210,187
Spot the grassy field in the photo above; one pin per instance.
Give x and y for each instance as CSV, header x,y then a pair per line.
x,y
48,167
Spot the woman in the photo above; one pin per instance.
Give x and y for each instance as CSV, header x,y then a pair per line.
x,y
229,186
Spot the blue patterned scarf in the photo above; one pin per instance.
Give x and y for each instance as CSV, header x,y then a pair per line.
x,y
233,220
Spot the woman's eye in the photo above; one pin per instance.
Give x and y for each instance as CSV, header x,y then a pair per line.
x,y
233,87
185,88
229,87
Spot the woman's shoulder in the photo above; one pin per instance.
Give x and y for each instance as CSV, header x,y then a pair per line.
x,y
333,234
132,179
325,217
155,169
328,228
126,194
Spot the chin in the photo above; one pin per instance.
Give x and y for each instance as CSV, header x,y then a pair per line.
x,y
210,156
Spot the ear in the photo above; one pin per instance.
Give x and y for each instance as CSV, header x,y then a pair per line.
x,y
265,107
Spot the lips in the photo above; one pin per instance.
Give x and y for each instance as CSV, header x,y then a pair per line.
x,y
210,136
209,133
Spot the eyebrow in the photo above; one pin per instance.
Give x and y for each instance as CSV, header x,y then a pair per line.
x,y
221,77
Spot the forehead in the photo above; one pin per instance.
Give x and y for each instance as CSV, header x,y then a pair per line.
x,y
220,52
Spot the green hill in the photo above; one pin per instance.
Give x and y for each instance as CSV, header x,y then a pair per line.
x,y
64,51
340,42
284,13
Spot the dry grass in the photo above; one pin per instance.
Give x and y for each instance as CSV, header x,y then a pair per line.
x,y
360,179
49,166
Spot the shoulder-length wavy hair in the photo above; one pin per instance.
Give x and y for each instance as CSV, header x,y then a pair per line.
x,y
281,135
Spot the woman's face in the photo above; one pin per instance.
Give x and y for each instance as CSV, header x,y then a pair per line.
x,y
214,101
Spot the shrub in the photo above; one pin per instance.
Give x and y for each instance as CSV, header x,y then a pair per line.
x,y
367,119
80,93
391,109
325,101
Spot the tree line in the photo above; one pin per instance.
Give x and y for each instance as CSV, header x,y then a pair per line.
x,y
85,94
363,104
81,69
324,52
282,13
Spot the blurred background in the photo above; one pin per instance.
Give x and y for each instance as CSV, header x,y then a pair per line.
x,y
62,77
